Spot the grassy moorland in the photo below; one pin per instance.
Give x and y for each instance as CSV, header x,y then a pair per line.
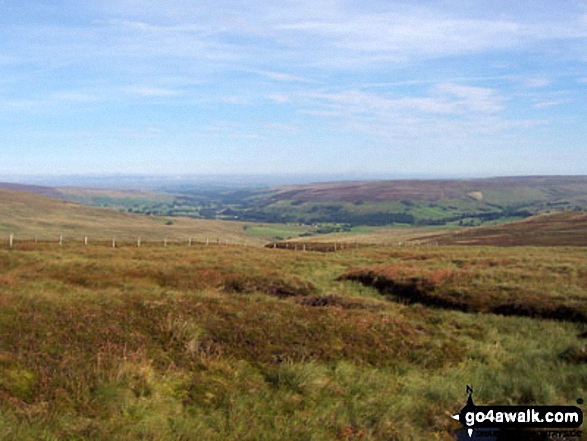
x,y
518,283
234,343
27,215
556,229
388,236
553,229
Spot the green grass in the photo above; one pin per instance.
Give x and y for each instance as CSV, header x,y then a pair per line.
x,y
272,232
232,343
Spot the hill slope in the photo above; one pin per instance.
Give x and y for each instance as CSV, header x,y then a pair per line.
x,y
416,202
37,189
556,229
491,190
27,214
470,202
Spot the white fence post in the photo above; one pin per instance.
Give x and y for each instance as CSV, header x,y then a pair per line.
x,y
139,242
60,239
10,239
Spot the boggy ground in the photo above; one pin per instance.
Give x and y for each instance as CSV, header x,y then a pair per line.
x,y
215,342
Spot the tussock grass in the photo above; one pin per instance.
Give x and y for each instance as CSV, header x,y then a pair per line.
x,y
233,343
526,282
554,229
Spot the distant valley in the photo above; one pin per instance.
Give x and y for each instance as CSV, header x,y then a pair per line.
x,y
344,207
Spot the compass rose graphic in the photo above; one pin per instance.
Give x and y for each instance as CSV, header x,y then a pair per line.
x,y
469,407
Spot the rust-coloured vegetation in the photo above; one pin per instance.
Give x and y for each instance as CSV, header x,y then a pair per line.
x,y
215,342
557,229
484,285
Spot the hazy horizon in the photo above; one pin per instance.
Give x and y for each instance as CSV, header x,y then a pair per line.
x,y
337,88
158,182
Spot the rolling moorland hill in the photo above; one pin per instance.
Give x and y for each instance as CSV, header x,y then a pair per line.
x,y
454,202
491,190
27,215
568,229
234,343
556,229
341,206
37,189
112,198
430,202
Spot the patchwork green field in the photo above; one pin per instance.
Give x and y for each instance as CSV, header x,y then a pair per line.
x,y
234,343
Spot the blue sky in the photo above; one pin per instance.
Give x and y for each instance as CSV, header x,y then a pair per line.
x,y
429,88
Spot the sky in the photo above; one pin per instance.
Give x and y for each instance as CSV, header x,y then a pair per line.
x,y
454,88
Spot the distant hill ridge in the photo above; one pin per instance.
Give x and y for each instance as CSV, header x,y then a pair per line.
x,y
555,229
426,190
37,189
416,202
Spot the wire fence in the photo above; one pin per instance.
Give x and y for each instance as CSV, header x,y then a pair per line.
x,y
14,241
22,242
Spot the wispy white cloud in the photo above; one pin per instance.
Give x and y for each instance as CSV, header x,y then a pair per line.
x,y
408,35
288,128
451,112
223,126
279,98
75,96
537,83
22,104
143,133
446,98
321,113
279,76
414,74
145,27
319,33
482,99
234,100
144,91
547,104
